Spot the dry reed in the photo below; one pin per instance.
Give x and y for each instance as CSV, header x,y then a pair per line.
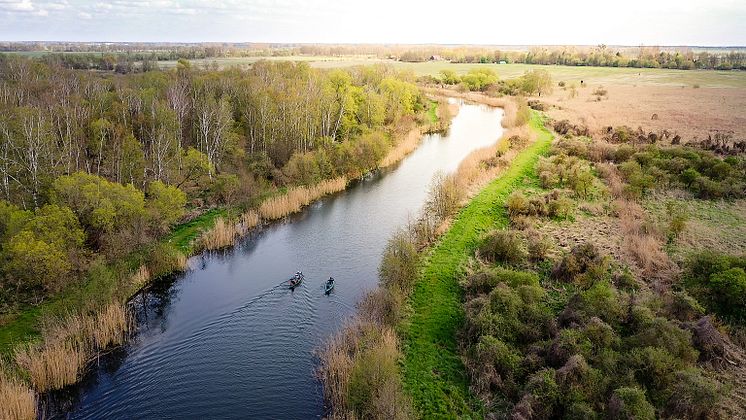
x,y
222,234
247,221
17,401
641,245
404,147
68,345
53,366
296,198
141,276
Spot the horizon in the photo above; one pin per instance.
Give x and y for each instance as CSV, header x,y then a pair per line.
x,y
278,44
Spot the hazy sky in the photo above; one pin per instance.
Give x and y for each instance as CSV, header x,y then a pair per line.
x,y
629,22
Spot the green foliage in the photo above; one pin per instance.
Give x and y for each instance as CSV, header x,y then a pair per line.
x,y
165,205
102,206
536,82
630,403
400,263
698,171
40,250
479,79
719,281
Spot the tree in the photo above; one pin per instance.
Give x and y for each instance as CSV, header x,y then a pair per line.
x,y
103,207
195,165
536,81
165,205
479,79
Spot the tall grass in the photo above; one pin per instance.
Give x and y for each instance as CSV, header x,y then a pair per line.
x,y
68,345
222,234
405,146
247,221
360,374
140,277
296,198
17,401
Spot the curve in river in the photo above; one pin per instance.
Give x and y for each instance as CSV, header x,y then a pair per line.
x,y
225,341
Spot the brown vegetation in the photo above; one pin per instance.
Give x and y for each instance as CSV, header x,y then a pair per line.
x,y
298,197
68,345
405,146
17,401
694,113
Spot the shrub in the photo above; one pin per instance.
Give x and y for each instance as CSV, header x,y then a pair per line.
x,y
630,403
164,259
517,204
693,395
503,246
400,263
537,244
581,259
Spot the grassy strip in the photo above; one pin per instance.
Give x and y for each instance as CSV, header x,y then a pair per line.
x,y
432,112
183,236
433,372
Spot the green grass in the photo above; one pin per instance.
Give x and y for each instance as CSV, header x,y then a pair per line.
x,y
433,372
183,236
432,112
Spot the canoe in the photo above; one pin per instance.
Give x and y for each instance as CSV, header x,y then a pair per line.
x,y
328,287
295,281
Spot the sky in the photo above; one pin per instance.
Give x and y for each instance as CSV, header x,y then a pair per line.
x,y
545,22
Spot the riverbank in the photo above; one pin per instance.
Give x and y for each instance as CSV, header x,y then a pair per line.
x,y
433,373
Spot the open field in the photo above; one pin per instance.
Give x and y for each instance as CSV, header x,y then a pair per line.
x,y
593,75
687,111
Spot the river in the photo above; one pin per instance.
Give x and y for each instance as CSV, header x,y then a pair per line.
x,y
225,340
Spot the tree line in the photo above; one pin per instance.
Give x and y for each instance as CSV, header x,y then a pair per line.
x,y
101,163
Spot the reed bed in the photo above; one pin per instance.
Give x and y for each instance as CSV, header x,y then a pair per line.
x,y
296,198
359,370
69,345
404,147
141,277
482,165
222,234
247,221
17,401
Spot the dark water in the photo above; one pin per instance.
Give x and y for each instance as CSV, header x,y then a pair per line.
x,y
226,341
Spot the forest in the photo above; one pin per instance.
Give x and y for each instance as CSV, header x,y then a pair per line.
x,y
96,165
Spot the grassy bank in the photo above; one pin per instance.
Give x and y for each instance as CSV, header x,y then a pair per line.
x,y
433,373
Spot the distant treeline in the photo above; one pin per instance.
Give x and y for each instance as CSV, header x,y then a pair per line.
x,y
602,56
100,163
141,57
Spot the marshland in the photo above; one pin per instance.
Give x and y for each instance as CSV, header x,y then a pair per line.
x,y
524,218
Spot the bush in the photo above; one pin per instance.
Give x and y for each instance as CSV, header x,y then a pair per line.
x,y
630,403
517,204
581,259
400,263
503,246
693,395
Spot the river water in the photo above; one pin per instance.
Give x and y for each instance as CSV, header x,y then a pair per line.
x,y
226,340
